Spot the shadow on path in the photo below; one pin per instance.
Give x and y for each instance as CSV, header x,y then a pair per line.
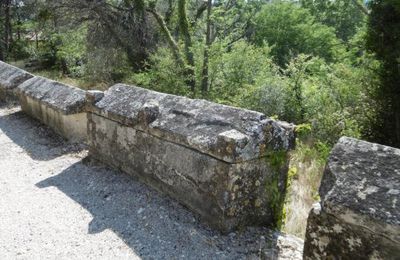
x,y
153,225
39,141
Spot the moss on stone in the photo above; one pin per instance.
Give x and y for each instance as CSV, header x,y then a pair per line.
x,y
276,185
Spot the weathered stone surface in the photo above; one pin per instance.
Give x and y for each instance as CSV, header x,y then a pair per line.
x,y
225,195
362,184
207,156
61,97
10,78
71,126
93,96
226,133
359,215
57,105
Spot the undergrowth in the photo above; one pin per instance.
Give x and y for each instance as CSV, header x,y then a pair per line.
x,y
306,167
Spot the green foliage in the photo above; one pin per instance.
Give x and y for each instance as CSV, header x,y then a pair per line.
x,y
343,15
106,65
276,186
383,39
71,50
329,97
234,72
292,30
234,20
163,74
326,99
277,159
303,130
276,201
19,50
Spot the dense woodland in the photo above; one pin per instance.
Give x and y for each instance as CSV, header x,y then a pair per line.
x,y
330,67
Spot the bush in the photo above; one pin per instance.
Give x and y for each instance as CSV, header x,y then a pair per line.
x,y
234,74
163,74
71,51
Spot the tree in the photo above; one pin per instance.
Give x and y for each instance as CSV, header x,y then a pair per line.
x,y
112,24
185,30
383,39
2,45
6,24
292,30
204,74
343,15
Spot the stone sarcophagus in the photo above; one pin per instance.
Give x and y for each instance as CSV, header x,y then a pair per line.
x,y
359,216
226,164
57,105
10,78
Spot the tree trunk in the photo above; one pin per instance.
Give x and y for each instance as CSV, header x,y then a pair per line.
x,y
37,39
19,23
204,80
169,13
7,28
1,31
171,42
185,32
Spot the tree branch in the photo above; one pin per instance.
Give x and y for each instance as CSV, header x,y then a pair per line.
x,y
171,42
200,11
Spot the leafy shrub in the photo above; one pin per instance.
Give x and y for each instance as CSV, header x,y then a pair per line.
x,y
162,74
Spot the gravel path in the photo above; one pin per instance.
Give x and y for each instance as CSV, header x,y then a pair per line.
x,y
57,203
